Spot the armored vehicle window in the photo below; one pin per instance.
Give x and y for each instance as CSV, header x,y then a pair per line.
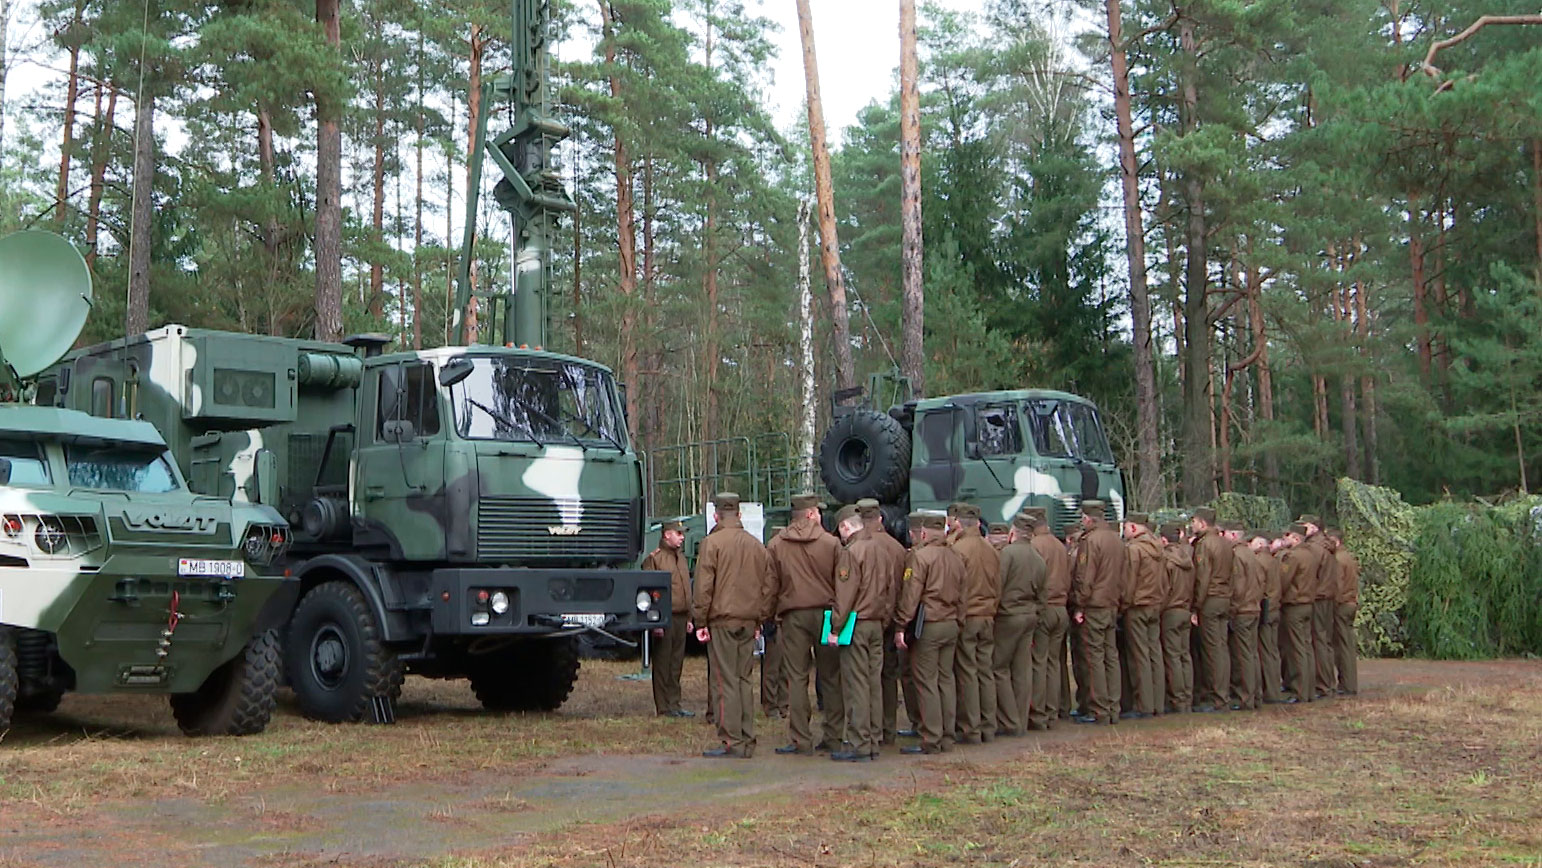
x,y
998,431
1090,442
1051,431
543,400
101,397
47,392
408,393
28,465
120,468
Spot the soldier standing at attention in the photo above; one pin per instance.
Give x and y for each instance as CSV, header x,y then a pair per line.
x,y
1098,583
733,595
1346,650
1247,592
891,557
1049,636
931,604
1177,618
998,535
1212,603
803,561
1323,604
1017,617
669,653
1268,619
974,663
773,681
1298,571
861,588
1146,593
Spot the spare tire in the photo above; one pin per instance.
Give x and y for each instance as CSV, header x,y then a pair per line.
x,y
865,454
896,520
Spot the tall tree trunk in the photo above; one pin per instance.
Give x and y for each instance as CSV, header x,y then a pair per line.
x,y
141,213
1198,415
824,190
329,192
476,48
101,149
449,227
1367,384
913,308
1265,374
1350,423
578,279
710,276
626,224
417,220
1148,493
1416,255
807,411
67,138
377,213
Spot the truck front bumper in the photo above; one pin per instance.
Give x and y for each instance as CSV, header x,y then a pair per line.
x,y
546,601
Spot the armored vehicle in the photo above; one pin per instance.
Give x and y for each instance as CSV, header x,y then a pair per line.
x,y
114,577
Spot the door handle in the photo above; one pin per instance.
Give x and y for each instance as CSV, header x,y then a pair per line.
x,y
374,492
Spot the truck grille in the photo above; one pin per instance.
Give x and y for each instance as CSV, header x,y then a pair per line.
x,y
532,530
1065,512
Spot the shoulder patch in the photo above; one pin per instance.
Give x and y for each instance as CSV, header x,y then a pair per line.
x,y
843,574
908,573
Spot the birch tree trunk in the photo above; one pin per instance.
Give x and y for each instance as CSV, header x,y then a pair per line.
x,y
913,307
329,192
807,411
5,42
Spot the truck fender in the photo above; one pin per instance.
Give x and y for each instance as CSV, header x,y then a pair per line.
x,y
366,577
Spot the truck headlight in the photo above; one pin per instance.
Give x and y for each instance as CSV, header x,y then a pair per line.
x,y
499,603
644,601
49,536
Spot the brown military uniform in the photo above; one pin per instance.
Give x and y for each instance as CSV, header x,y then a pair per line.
x,y
1017,617
934,584
1298,572
1324,606
1269,675
669,651
1345,644
862,587
803,559
1097,584
1176,655
1247,593
1145,596
734,593
974,660
1212,602
1049,698
892,556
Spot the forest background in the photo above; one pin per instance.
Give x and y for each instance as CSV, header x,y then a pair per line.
x,y
1339,226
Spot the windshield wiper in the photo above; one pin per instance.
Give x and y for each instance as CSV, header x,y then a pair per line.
x,y
573,387
505,421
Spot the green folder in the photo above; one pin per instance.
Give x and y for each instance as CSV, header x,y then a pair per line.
x,y
845,637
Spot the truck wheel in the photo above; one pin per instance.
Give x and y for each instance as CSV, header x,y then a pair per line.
x,y
896,520
334,657
865,454
534,675
236,699
9,680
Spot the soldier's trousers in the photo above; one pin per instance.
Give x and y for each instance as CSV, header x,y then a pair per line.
x,y
1069,700
1213,619
931,664
1079,672
1270,676
712,694
974,671
1013,671
1300,666
668,660
861,671
1346,651
889,676
1177,659
1048,667
801,642
1322,644
1101,653
773,681
733,668
1143,638
907,683
1244,660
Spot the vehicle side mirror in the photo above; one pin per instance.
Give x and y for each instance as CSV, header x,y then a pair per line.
x,y
455,370
265,471
398,431
5,471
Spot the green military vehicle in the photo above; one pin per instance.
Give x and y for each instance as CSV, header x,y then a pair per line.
x,y
114,578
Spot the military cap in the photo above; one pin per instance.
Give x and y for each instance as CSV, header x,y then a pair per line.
x,y
1139,518
1093,508
1308,518
869,507
726,501
1025,523
1233,525
806,500
929,518
672,525
998,527
1299,529
1205,514
966,511
1172,531
847,513
1035,512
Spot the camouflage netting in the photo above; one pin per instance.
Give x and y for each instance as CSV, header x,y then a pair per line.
x,y
1257,513
1380,529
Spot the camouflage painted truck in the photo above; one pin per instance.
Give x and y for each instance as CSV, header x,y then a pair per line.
x,y
114,578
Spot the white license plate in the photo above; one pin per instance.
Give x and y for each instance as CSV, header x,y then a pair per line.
x,y
211,569
587,619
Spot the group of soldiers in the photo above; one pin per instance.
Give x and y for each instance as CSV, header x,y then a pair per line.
x,y
973,625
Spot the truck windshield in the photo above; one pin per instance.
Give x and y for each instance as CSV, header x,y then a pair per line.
x,y
28,467
1068,429
120,468
540,400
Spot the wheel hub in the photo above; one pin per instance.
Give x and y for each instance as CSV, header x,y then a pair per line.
x,y
853,460
329,657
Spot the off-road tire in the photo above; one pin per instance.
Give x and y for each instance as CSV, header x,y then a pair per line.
x,y
9,679
333,655
46,702
865,454
896,520
535,675
236,699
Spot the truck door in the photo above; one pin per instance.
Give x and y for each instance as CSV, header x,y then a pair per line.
x,y
936,464
398,484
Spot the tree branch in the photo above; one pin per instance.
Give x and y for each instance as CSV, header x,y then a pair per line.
x,y
1483,21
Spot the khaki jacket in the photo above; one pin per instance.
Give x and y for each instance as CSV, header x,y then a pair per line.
x,y
1057,567
891,557
1298,575
982,573
1180,575
1328,576
1349,577
803,562
733,577
1146,572
1212,567
1022,579
934,578
672,561
860,585
1271,565
1097,581
1247,581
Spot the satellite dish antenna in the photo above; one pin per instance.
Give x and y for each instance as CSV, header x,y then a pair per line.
x,y
45,296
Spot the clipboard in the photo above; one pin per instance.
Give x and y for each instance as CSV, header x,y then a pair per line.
x,y
845,635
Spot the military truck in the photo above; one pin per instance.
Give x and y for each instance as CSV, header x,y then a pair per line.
x,y
114,577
